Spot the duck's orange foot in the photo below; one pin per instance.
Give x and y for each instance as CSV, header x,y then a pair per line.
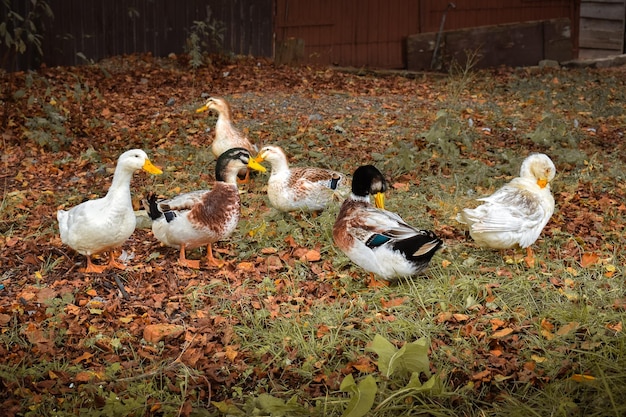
x,y
529,258
92,268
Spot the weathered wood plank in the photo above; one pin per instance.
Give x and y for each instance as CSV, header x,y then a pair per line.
x,y
612,11
517,44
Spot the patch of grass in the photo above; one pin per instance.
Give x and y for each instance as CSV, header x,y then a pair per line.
x,y
273,332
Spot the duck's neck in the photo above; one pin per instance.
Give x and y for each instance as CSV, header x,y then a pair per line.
x,y
361,198
229,177
279,164
225,115
120,186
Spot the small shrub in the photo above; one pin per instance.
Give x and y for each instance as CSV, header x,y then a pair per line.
x,y
204,35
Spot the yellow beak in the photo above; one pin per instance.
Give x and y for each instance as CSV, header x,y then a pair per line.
x,y
542,183
379,200
201,109
254,164
148,167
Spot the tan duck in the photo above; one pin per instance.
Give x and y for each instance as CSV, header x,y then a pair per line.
x,y
227,136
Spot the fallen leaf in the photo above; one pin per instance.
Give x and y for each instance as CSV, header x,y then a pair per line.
x,y
322,330
496,323
154,333
610,270
394,302
617,327
311,256
460,317
482,376
231,353
502,333
246,266
85,356
568,328
582,378
537,358
589,259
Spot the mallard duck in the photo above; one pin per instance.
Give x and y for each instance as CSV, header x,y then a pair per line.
x,y
227,136
308,189
202,217
378,240
515,214
105,223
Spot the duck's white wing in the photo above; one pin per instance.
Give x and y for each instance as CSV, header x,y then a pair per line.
x,y
508,209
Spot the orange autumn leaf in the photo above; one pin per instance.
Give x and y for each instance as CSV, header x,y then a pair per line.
x,y
617,327
400,186
84,376
231,353
502,333
589,259
245,266
496,352
83,357
322,330
546,325
582,378
496,323
311,256
364,365
568,328
394,302
460,317
291,241
482,376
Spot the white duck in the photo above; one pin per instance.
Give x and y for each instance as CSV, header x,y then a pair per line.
x,y
202,217
378,240
308,189
105,223
515,214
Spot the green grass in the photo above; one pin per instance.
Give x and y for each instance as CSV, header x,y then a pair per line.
x,y
505,339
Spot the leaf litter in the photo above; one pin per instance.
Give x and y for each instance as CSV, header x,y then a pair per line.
x,y
440,148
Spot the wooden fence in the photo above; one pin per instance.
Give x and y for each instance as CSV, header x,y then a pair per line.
x,y
93,29
602,25
356,33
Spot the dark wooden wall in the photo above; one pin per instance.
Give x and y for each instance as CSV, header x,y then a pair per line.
x,y
356,33
373,32
96,29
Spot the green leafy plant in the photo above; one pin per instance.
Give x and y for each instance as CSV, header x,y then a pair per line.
x,y
204,35
21,33
411,360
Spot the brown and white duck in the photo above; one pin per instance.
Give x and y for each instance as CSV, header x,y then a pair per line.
x,y
203,217
308,189
378,240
